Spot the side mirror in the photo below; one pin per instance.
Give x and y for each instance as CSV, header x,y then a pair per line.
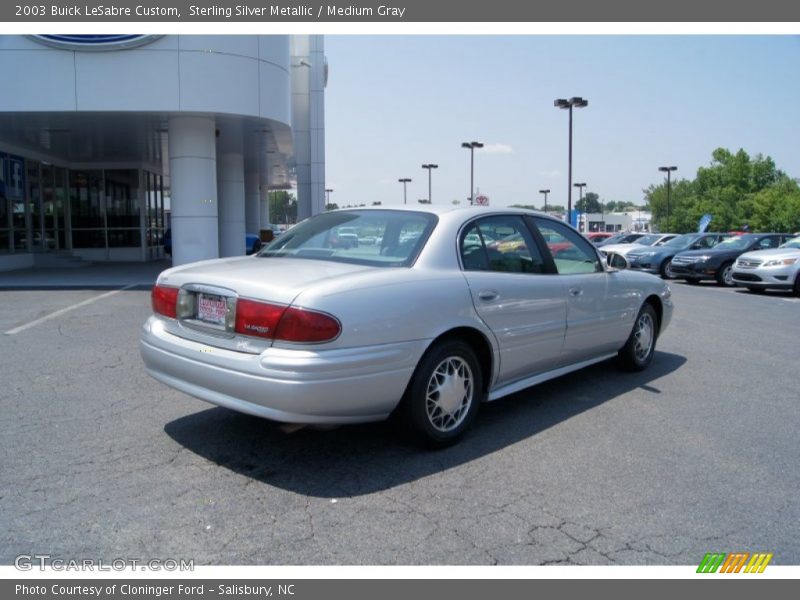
x,y
695,247
617,261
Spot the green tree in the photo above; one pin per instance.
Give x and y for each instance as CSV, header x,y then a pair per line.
x,y
777,208
729,189
331,206
589,204
282,207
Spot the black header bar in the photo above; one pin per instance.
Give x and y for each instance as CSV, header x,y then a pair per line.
x,y
399,11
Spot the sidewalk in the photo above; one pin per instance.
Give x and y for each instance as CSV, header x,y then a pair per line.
x,y
97,276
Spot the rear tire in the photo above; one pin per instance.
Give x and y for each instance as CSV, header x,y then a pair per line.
x,y
637,353
725,275
441,401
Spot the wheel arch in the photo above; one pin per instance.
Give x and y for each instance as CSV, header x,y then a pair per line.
x,y
655,302
479,343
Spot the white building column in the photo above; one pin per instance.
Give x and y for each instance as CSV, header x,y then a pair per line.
x,y
263,192
230,187
252,201
193,189
308,122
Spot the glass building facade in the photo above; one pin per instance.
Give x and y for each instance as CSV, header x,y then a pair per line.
x,y
46,208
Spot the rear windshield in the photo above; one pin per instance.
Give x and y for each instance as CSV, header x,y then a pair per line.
x,y
682,240
735,243
648,240
380,238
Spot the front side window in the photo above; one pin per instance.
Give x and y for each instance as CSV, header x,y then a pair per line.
x,y
380,238
571,253
501,243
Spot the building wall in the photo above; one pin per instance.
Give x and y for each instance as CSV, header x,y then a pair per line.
x,y
242,75
93,109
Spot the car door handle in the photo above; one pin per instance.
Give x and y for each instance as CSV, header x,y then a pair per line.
x,y
576,291
487,295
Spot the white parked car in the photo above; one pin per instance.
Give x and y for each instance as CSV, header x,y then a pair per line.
x,y
651,240
426,324
777,268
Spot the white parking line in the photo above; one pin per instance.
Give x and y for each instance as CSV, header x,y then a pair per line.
x,y
60,312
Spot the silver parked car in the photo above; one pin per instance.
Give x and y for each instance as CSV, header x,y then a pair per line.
x,y
776,268
651,239
425,325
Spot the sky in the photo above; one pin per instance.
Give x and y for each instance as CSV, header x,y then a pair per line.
x,y
394,102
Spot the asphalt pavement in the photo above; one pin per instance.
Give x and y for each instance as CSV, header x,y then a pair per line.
x,y
697,454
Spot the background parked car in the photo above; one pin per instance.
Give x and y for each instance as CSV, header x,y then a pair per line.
x,y
659,260
597,236
624,237
717,262
778,268
252,243
650,240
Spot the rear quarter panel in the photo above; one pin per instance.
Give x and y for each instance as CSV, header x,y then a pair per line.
x,y
395,305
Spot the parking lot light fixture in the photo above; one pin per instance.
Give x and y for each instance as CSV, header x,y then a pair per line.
x,y
430,166
404,181
471,146
328,192
563,103
545,192
668,171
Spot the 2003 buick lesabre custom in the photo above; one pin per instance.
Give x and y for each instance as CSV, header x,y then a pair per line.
x,y
426,322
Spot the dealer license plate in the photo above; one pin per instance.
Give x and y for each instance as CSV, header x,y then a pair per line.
x,y
211,309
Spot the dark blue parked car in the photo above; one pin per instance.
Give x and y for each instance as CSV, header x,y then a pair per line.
x,y
252,243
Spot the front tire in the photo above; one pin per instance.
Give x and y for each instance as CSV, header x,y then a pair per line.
x,y
666,269
797,285
442,399
725,275
637,353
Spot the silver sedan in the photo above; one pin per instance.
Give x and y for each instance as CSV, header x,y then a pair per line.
x,y
426,324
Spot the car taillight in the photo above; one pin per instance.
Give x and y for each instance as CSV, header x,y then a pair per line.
x,y
165,300
288,324
257,318
301,325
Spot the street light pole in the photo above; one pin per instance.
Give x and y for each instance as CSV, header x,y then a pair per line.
x,y
580,187
404,181
429,167
545,192
328,193
668,171
574,102
471,146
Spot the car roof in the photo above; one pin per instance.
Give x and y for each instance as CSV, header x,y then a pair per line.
x,y
440,209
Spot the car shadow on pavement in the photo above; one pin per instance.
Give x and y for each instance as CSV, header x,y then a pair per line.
x,y
361,459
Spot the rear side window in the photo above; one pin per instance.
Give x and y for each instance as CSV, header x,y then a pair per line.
x,y
500,243
769,242
708,241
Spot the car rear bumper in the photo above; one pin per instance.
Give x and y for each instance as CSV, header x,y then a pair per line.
x,y
295,386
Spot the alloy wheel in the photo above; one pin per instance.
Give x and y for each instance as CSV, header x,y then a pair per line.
x,y
644,336
449,394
